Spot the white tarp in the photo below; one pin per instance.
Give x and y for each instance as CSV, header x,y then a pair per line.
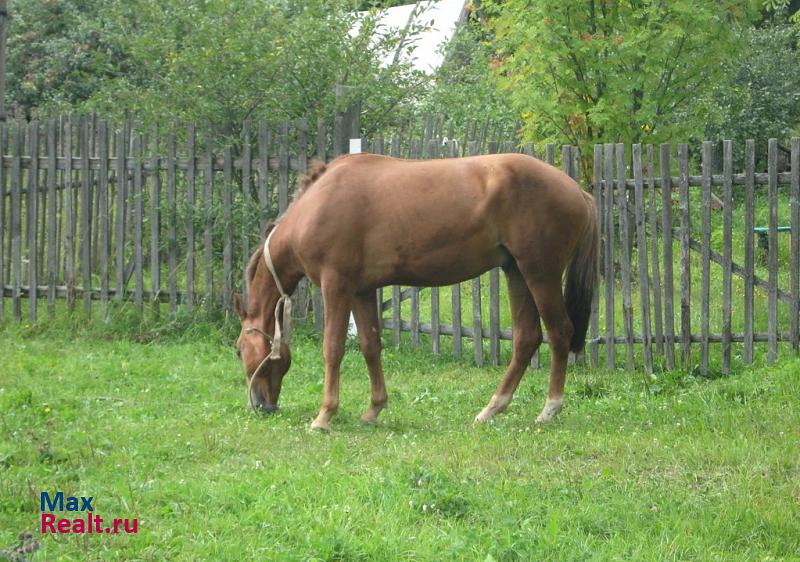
x,y
439,19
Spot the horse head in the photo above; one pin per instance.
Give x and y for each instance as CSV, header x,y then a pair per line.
x,y
264,370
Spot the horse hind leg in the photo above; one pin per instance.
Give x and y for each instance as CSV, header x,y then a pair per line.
x,y
527,337
550,301
366,314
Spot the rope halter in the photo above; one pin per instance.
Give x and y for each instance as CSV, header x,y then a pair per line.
x,y
283,323
283,310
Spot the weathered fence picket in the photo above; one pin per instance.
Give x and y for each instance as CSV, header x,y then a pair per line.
x,y
727,233
624,255
795,247
749,259
705,257
686,283
666,231
609,276
772,170
641,243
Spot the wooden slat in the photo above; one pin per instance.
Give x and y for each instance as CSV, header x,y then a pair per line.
x,y
608,160
652,219
686,234
435,321
566,167
208,221
396,319
455,303
322,140
16,222
138,224
669,277
227,240
396,302
597,192
321,154
749,255
302,291
155,223
4,223
85,203
32,214
455,290
477,321
172,219
433,152
263,174
705,257
772,329
190,213
624,257
641,242
246,227
104,234
494,316
795,259
283,169
727,253
415,316
119,242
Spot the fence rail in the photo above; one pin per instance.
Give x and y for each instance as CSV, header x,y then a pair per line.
x,y
90,213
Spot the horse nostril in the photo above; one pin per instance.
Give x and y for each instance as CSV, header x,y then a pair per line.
x,y
238,353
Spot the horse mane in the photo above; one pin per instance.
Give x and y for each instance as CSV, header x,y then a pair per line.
x,y
315,170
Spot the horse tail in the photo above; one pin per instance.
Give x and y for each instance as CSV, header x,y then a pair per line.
x,y
582,279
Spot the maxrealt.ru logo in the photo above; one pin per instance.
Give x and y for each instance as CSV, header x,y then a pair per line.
x,y
87,522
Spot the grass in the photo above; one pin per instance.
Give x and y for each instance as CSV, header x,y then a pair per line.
x,y
154,426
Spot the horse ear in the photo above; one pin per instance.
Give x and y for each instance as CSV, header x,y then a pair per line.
x,y
238,305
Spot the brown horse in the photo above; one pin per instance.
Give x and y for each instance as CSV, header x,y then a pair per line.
x,y
365,221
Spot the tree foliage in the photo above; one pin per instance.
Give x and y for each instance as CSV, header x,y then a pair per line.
x,y
204,61
598,71
465,88
761,98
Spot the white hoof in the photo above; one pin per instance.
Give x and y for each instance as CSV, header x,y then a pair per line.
x,y
497,405
551,409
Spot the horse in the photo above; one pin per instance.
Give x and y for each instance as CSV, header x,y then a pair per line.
x,y
364,221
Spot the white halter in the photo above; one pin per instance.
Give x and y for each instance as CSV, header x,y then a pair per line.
x,y
283,322
283,310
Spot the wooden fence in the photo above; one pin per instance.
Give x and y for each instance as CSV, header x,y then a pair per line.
x,y
113,216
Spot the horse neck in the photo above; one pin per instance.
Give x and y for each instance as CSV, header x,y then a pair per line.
x,y
264,292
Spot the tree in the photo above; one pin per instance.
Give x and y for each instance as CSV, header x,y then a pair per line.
x,y
58,55
597,70
761,97
211,62
465,88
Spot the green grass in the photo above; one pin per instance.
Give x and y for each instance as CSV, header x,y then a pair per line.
x,y
155,426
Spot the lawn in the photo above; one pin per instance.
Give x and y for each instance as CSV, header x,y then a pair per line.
x,y
155,427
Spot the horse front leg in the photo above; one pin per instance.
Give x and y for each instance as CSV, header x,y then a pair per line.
x,y
369,336
336,303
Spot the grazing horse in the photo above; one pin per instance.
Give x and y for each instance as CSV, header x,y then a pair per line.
x,y
365,221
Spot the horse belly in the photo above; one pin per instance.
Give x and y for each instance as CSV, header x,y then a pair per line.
x,y
424,264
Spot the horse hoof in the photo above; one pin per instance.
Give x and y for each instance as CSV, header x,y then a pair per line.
x,y
369,418
484,416
550,411
322,427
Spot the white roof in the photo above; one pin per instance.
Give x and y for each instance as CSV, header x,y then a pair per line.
x,y
440,20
